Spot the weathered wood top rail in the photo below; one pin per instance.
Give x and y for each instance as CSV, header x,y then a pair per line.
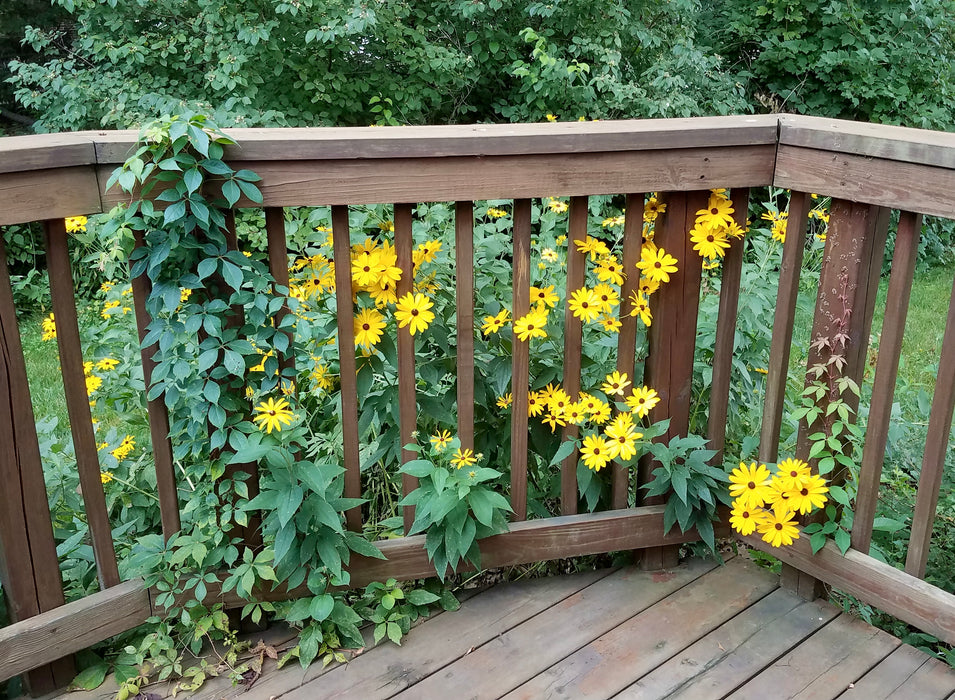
x,y
867,169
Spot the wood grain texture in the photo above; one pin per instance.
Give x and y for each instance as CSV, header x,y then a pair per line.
x,y
896,185
341,244
823,665
732,270
612,661
905,674
459,178
387,669
936,446
875,140
29,568
48,636
407,401
886,373
573,345
521,357
627,336
735,651
78,402
53,193
783,322
157,411
899,594
45,151
277,248
471,139
490,671
464,297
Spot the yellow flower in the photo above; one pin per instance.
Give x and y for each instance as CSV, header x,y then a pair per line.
x,y
778,221
608,297
744,519
778,529
595,452
575,413
594,246
535,404
809,495
92,384
366,268
125,447
531,325
718,212
640,306
610,323
75,224
793,472
652,209
609,270
425,252
505,401
107,364
369,327
557,206
557,401
622,437
440,440
320,377
496,213
615,384
184,295
709,240
413,310
642,400
387,226
561,239
613,221
492,324
106,477
272,414
584,304
544,296
656,263
553,420
106,286
648,286
599,412
750,484
463,458
549,254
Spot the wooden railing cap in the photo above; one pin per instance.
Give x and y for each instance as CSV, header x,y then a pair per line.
x,y
43,151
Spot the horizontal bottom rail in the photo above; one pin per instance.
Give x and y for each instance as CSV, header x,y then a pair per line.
x,y
49,636
44,638
901,595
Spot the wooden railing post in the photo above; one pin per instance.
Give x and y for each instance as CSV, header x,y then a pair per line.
x,y
29,568
672,340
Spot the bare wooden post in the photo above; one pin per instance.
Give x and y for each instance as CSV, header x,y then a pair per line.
x,y
672,339
521,359
29,568
407,402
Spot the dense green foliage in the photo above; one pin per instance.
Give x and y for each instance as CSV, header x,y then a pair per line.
x,y
324,62
887,62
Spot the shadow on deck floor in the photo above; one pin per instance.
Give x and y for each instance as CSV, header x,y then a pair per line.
x,y
699,631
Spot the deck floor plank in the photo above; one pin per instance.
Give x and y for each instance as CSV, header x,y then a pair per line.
x,y
387,669
824,665
514,657
906,673
614,660
736,651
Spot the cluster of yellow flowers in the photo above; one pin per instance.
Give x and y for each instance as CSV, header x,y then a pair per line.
x,y
778,221
715,227
125,447
49,328
76,224
768,503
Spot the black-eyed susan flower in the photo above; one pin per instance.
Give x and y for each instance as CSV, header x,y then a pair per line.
x,y
369,327
463,458
595,452
750,484
531,325
412,311
272,414
642,399
778,529
615,383
584,304
440,440
656,264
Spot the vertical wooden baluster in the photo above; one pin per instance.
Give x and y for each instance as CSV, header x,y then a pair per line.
x,y
157,411
29,569
464,272
786,295
672,339
573,345
732,270
347,366
407,401
627,338
278,267
886,373
936,444
77,401
521,360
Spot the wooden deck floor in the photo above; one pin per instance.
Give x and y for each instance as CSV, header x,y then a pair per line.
x,y
699,631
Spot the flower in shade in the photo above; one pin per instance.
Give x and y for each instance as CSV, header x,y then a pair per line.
x,y
750,484
369,326
76,224
125,447
496,213
610,323
271,414
441,440
615,384
505,401
535,404
594,246
463,458
640,306
778,529
653,208
413,310
609,270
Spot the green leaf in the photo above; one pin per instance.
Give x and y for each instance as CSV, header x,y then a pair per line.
x,y
417,467
563,452
359,545
839,495
231,192
288,502
420,597
232,275
90,678
843,540
192,179
321,607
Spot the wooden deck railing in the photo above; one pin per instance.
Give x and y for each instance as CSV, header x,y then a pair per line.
x,y
867,169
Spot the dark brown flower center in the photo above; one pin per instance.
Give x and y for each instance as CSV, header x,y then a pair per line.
x,y
414,312
751,485
714,210
804,492
366,326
